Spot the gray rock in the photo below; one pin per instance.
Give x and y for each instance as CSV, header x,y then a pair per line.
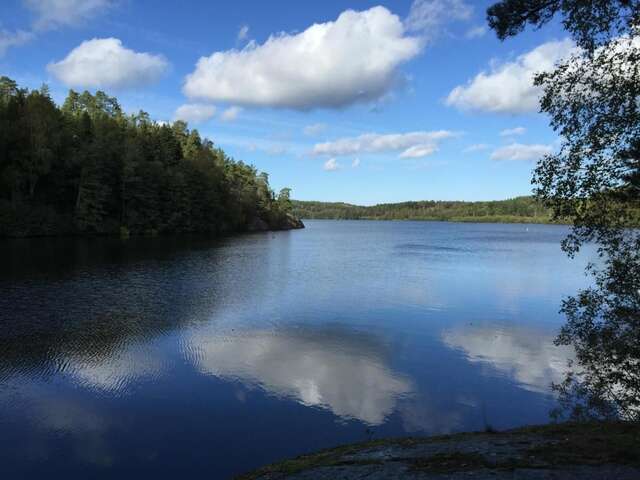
x,y
604,451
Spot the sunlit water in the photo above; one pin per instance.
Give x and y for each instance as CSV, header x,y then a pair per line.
x,y
187,355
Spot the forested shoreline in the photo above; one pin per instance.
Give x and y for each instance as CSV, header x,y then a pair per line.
x,y
87,168
516,210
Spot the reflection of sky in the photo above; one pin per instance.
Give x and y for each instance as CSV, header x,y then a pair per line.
x,y
340,371
64,411
58,413
527,356
113,373
405,326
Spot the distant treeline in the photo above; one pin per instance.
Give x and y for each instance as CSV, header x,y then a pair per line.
x,y
86,168
516,210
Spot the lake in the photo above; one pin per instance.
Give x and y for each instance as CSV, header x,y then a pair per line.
x,y
195,355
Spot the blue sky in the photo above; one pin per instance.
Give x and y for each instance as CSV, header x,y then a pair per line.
x,y
357,101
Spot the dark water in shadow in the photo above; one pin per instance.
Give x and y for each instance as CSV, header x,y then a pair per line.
x,y
189,355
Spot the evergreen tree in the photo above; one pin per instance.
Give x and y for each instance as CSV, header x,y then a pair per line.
x,y
88,168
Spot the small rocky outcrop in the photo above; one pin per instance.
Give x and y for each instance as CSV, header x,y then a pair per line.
x,y
288,222
291,223
256,224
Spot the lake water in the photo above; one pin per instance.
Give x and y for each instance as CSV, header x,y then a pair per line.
x,y
192,355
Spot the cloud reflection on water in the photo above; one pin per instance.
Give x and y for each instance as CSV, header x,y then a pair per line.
x,y
117,371
526,355
59,421
343,371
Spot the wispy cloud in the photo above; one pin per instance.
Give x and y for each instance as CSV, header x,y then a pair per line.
x,y
195,112
412,144
476,32
331,165
430,18
243,33
314,129
519,151
51,15
259,145
419,151
231,114
13,39
512,132
477,147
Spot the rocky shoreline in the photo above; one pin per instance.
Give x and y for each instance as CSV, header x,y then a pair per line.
x,y
598,451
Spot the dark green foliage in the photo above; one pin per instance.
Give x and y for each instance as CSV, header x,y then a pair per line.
x,y
521,209
592,100
88,168
591,22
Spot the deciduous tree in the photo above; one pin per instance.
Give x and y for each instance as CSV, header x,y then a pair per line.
x,y
593,101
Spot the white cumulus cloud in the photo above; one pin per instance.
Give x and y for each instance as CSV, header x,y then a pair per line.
x,y
509,88
230,114
519,151
195,112
331,165
511,132
412,144
106,63
334,64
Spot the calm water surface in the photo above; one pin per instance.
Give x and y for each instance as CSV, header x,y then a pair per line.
x,y
194,355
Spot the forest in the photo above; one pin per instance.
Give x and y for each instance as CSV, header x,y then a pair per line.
x,y
88,168
516,210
